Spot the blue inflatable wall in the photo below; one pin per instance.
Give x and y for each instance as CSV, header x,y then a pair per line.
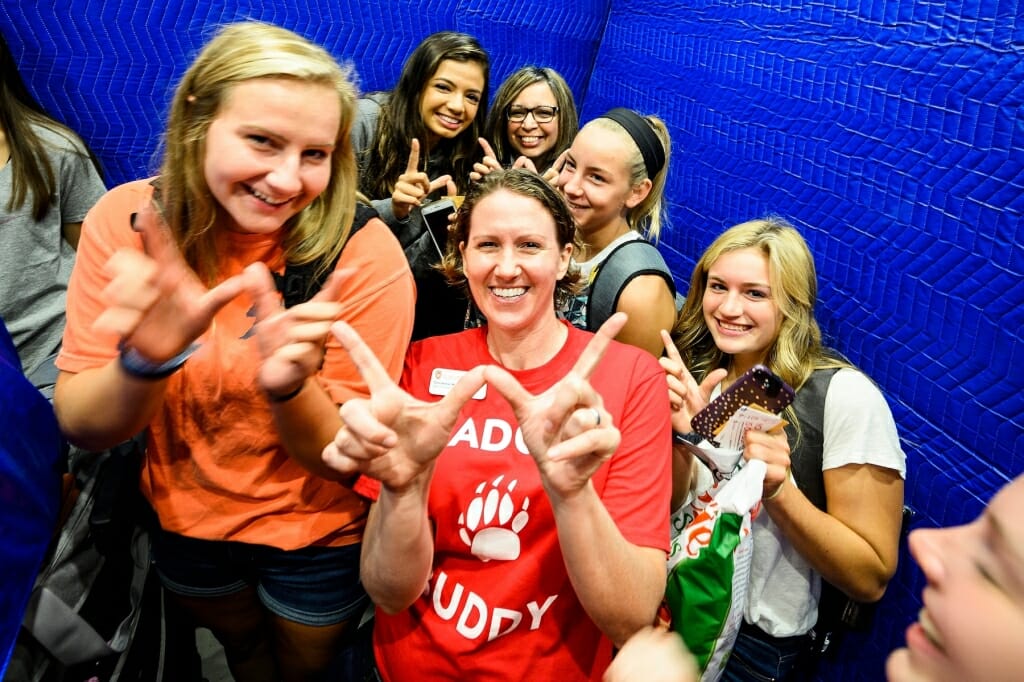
x,y
891,133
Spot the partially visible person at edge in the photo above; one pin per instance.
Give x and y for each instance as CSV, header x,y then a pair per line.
x,y
49,179
532,121
751,300
529,514
613,177
258,177
971,626
979,564
417,143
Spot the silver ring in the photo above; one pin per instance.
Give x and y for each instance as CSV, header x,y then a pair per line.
x,y
597,416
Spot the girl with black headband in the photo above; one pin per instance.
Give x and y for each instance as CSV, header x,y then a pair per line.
x,y
613,178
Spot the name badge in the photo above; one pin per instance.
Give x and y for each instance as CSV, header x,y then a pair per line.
x,y
442,380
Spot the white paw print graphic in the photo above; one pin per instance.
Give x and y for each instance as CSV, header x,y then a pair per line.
x,y
491,525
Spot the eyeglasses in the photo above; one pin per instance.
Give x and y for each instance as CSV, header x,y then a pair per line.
x,y
540,114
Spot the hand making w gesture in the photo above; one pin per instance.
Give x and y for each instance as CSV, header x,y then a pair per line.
x,y
413,186
158,305
685,395
392,436
566,428
292,340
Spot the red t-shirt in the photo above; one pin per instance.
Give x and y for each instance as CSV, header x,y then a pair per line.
x,y
500,605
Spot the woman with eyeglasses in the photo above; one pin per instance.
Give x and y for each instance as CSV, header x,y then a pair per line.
x,y
532,121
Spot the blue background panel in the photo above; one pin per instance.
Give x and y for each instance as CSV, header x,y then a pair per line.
x,y
891,133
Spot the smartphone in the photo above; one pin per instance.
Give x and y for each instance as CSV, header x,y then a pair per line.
x,y
436,217
757,386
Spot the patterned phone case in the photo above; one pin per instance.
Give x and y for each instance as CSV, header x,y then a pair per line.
x,y
757,386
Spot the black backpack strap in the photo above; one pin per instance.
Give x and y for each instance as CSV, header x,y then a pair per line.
x,y
809,442
836,611
627,260
301,281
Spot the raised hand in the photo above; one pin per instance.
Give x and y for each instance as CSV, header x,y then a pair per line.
x,y
413,186
486,165
552,174
685,395
290,340
392,436
526,163
566,428
158,305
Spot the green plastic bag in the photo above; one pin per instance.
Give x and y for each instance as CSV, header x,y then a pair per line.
x,y
709,565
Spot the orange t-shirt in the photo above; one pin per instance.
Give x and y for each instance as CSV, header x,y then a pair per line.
x,y
215,467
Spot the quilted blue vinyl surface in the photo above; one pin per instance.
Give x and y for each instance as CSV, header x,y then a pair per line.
x,y
108,68
891,133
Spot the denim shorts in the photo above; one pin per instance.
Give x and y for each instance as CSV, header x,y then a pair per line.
x,y
312,586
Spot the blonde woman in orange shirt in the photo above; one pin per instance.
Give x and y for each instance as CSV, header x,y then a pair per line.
x,y
175,326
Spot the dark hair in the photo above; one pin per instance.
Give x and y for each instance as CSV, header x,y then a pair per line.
x,y
524,183
400,120
19,114
496,130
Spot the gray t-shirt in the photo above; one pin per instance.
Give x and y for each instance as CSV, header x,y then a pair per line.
x,y
35,261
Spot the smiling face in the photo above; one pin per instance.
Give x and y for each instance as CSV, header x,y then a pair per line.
x,y
595,180
528,137
268,151
739,310
451,98
512,261
973,617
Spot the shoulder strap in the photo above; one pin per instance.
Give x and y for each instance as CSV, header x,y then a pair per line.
x,y
300,281
809,443
628,260
836,611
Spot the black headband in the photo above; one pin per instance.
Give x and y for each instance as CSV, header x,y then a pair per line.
x,y
643,134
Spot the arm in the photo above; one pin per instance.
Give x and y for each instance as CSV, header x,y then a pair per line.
x,y
683,471
394,438
129,404
614,548
149,300
372,290
619,584
613,545
855,545
398,526
651,307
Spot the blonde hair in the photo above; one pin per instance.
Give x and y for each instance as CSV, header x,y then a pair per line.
x,y
238,53
797,350
647,217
